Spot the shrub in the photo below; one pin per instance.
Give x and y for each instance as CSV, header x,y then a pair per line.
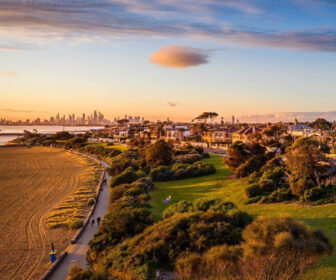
x,y
91,201
273,248
276,175
253,164
253,190
125,177
254,177
314,194
182,206
267,186
299,185
203,204
161,173
281,194
166,240
75,224
122,161
188,158
252,200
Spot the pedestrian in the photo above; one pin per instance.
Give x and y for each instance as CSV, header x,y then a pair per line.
x,y
157,275
92,221
98,221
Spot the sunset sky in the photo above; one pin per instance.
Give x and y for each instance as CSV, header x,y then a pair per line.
x,y
256,59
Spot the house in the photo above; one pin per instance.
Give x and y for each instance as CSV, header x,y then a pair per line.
x,y
244,133
302,130
176,132
217,136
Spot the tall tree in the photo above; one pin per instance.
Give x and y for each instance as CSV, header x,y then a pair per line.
x,y
303,159
159,153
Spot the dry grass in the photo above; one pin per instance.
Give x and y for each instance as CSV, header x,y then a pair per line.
x,y
72,211
33,182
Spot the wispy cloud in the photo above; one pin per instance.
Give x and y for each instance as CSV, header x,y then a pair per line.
x,y
288,117
165,18
8,47
9,73
179,57
172,104
17,111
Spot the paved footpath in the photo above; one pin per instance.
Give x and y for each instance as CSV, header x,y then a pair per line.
x,y
77,252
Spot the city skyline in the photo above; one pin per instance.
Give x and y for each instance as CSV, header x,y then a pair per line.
x,y
163,58
98,118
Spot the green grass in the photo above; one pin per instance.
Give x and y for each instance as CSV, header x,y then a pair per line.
x,y
221,185
119,147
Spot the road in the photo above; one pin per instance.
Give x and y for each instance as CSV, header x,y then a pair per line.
x,y
77,252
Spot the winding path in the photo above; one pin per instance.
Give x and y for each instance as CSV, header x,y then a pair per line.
x,y
77,252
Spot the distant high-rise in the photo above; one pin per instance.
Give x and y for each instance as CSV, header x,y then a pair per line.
x,y
233,119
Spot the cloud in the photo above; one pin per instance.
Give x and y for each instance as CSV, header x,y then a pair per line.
x,y
288,117
172,104
196,19
10,73
17,111
179,57
8,47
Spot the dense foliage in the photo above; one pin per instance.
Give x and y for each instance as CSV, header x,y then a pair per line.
x,y
182,171
293,170
162,243
273,248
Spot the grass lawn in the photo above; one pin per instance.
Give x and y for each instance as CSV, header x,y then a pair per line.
x,y
119,147
221,185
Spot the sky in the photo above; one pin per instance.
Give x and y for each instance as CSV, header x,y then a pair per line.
x,y
259,60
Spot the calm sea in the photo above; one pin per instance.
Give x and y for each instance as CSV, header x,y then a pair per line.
x,y
39,129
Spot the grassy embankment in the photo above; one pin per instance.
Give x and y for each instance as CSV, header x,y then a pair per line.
x,y
72,211
119,147
221,185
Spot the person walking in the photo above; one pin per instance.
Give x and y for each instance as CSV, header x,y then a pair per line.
x,y
157,275
92,221
98,221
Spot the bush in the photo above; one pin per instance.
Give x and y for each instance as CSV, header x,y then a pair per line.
x,y
276,175
170,238
252,200
254,177
314,194
161,173
267,186
203,204
121,162
299,185
91,201
182,206
279,195
125,177
76,224
188,158
253,190
253,164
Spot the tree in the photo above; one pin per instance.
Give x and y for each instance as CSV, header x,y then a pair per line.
x,y
159,153
332,136
303,159
198,129
122,122
205,116
321,124
159,131
275,131
237,154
